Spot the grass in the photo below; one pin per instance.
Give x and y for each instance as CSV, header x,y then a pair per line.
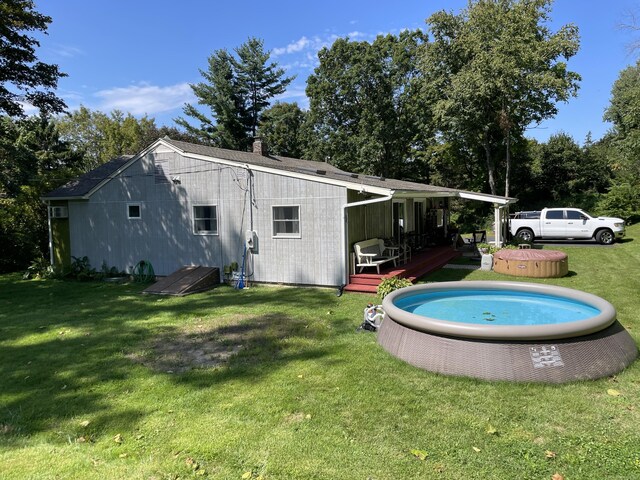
x,y
98,381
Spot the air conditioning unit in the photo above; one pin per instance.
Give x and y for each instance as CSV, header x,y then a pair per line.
x,y
58,212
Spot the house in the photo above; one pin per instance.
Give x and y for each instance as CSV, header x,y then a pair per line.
x,y
178,203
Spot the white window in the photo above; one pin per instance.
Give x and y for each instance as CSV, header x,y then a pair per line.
x,y
134,211
286,221
205,220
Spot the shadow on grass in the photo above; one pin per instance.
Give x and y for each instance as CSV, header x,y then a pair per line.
x,y
70,350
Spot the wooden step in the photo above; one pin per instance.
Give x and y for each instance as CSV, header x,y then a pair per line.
x,y
360,288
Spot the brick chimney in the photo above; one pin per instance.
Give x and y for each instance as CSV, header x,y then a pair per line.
x,y
260,147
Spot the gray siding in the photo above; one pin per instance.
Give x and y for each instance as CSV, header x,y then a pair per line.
x,y
100,229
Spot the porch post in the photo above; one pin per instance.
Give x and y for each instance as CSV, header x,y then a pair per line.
x,y
498,225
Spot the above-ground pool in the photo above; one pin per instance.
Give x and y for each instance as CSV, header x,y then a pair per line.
x,y
506,331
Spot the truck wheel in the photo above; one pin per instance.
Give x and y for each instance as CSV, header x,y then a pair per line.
x,y
526,235
605,237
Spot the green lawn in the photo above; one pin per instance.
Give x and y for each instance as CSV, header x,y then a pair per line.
x,y
98,381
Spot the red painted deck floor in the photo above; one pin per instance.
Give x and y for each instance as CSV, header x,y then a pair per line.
x,y
423,262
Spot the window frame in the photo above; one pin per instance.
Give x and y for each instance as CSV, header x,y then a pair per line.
x,y
554,212
273,222
194,219
128,211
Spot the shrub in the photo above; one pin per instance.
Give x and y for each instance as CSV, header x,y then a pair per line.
x,y
390,284
39,268
488,248
81,269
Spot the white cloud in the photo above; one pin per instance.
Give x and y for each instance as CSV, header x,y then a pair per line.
x,y
145,99
66,51
28,108
295,93
293,47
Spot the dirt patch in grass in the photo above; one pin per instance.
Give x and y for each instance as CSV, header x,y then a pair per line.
x,y
212,343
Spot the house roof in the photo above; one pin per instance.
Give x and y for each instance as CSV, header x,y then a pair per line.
x,y
84,185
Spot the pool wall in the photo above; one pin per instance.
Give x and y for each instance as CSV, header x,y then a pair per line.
x,y
589,349
501,332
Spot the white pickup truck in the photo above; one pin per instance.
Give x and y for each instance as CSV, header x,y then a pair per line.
x,y
565,223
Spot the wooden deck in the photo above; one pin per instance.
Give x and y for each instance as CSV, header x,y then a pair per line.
x,y
423,262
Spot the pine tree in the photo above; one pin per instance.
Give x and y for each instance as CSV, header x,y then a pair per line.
x,y
237,89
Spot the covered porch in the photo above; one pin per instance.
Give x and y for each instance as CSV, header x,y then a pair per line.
x,y
415,222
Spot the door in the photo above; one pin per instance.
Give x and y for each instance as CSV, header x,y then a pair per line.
x,y
554,225
576,224
398,221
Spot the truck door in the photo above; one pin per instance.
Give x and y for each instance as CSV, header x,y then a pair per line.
x,y
554,225
576,224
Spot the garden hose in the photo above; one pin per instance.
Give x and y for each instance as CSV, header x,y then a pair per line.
x,y
143,272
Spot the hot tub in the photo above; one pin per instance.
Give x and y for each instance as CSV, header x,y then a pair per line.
x,y
531,263
505,331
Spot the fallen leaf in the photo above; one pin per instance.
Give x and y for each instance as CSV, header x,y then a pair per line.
x,y
123,455
246,475
557,476
307,416
300,376
85,423
476,449
81,440
118,438
421,454
549,454
613,392
492,430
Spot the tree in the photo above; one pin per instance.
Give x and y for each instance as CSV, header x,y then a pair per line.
x,y
365,111
24,79
33,161
283,127
237,89
623,145
555,168
99,137
493,70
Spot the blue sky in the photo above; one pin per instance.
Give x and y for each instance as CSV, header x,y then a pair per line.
x,y
140,56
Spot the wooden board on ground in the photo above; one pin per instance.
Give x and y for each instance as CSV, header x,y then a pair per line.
x,y
185,281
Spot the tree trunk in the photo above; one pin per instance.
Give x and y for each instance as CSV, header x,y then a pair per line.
x,y
508,166
491,166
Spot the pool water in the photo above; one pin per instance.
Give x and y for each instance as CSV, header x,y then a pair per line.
x,y
491,307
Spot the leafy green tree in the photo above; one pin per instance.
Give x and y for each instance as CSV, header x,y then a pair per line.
x,y
99,137
24,79
284,129
33,161
622,145
493,70
237,89
364,107
555,167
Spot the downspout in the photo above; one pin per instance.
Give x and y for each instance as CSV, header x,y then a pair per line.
x,y
48,202
345,256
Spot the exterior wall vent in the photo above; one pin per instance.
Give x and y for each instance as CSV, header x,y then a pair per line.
x,y
58,212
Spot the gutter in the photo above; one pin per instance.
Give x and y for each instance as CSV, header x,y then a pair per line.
x,y
345,258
